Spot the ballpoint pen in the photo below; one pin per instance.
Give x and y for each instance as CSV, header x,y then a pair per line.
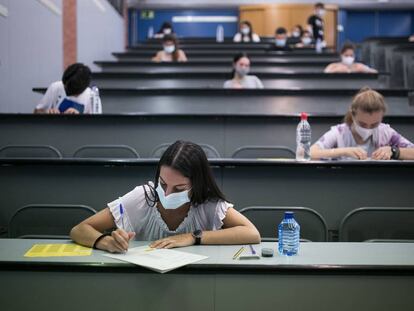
x,y
252,249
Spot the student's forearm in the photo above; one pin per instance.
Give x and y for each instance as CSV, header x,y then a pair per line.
x,y
234,235
84,234
406,154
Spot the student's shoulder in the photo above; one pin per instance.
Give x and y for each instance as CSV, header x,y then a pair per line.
x,y
340,128
57,86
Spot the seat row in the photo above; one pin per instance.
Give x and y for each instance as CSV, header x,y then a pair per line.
x,y
127,152
373,224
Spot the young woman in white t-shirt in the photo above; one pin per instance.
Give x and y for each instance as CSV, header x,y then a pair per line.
x,y
184,207
246,33
240,75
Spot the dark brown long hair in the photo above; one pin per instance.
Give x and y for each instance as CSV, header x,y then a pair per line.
x,y
190,160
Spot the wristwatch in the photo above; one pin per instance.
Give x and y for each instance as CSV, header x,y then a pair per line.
x,y
395,153
197,234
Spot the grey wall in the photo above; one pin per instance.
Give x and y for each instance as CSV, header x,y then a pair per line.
x,y
100,31
30,52
31,46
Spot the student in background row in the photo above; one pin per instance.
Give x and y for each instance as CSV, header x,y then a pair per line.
x,y
306,41
363,135
348,64
281,40
171,51
71,95
316,24
184,206
166,29
240,75
295,34
246,33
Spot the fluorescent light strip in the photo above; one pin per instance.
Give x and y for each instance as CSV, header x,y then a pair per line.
x,y
4,11
204,19
100,5
51,6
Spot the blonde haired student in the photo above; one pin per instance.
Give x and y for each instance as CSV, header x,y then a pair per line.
x,y
184,207
362,135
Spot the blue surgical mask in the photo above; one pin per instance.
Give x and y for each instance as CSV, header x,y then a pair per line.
x,y
169,49
242,71
280,42
173,200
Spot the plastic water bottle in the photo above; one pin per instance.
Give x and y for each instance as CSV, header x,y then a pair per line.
x,y
318,45
303,139
150,33
220,33
289,235
96,101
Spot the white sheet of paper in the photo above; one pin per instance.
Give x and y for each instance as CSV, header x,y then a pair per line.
x,y
160,260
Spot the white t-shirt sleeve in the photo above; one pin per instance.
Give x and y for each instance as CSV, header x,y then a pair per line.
x,y
255,38
259,84
134,207
220,214
228,84
237,37
51,98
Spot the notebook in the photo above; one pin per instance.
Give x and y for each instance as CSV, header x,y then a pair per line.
x,y
67,103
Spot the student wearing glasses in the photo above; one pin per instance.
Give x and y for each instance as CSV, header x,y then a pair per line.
x,y
184,206
363,135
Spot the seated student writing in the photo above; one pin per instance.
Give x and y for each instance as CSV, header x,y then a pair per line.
x,y
184,207
246,33
171,51
240,75
347,63
71,95
362,135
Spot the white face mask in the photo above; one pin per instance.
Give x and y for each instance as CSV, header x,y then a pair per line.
x,y
169,49
167,31
348,60
321,12
296,34
173,200
306,40
242,71
245,30
280,42
363,132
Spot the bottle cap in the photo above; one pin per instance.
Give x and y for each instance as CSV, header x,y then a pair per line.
x,y
288,215
304,116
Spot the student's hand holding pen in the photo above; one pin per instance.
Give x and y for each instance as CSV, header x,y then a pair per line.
x,y
117,242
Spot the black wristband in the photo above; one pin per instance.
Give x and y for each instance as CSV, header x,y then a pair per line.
x,y
395,153
100,238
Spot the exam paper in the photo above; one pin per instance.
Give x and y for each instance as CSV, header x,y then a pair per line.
x,y
160,260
